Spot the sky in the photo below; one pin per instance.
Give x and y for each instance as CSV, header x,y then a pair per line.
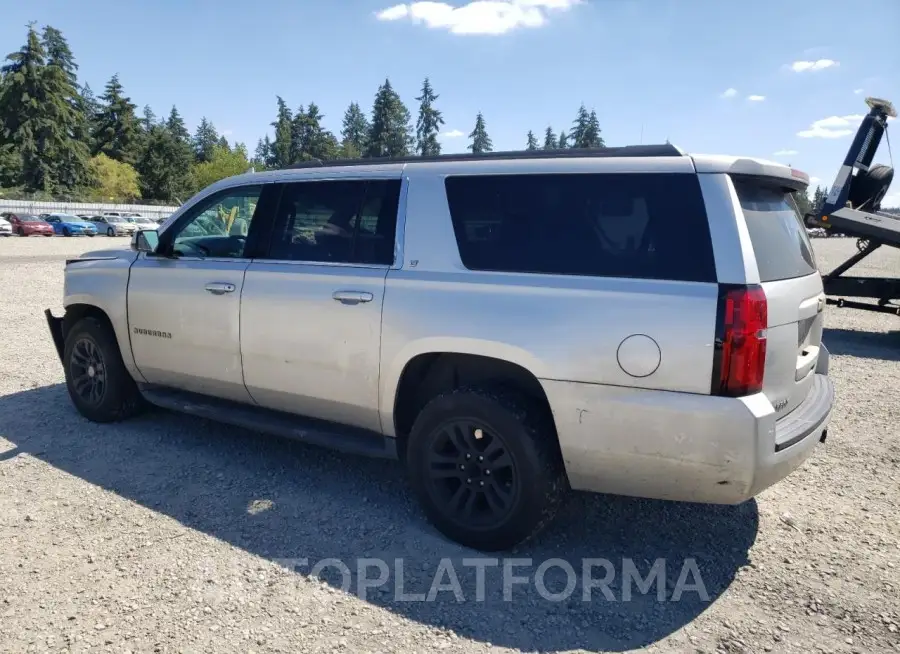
x,y
785,81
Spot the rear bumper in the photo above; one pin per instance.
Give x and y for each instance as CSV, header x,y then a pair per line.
x,y
677,446
56,332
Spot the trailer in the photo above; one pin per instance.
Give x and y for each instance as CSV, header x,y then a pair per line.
x,y
853,208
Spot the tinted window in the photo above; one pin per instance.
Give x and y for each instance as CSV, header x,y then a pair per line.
x,y
608,225
351,221
779,238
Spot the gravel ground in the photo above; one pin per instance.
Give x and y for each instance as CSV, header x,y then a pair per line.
x,y
171,534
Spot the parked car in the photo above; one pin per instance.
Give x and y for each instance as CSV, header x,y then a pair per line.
x,y
69,225
142,222
113,225
631,320
25,224
5,227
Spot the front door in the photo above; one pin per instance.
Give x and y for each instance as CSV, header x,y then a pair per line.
x,y
184,301
311,308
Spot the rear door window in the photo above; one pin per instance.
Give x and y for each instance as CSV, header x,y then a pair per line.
x,y
648,225
780,241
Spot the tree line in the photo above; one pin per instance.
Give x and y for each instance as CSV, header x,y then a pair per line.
x,y
58,140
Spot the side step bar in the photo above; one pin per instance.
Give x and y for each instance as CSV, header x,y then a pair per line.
x,y
308,430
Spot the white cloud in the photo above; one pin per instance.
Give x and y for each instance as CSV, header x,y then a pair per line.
x,y
452,134
833,127
396,12
756,98
857,91
227,132
729,93
818,64
891,201
786,153
477,16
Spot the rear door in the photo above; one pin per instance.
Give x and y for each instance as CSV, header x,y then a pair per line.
x,y
793,286
311,307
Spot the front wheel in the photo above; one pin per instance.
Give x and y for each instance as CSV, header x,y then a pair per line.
x,y
486,467
110,232
100,387
66,231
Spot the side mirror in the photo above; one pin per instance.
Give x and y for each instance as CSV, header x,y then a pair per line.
x,y
145,240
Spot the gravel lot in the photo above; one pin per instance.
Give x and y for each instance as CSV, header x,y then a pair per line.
x,y
170,534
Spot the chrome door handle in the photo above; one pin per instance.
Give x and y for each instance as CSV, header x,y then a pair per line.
x,y
219,288
352,297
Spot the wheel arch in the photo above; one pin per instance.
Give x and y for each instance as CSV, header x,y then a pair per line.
x,y
427,374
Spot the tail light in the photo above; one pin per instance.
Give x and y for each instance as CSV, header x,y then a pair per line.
x,y
740,357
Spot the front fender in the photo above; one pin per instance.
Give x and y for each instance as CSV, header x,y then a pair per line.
x,y
102,282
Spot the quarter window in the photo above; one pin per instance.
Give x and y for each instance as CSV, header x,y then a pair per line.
x,y
648,225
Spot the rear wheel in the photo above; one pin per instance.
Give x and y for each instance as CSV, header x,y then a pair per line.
x,y
486,467
98,383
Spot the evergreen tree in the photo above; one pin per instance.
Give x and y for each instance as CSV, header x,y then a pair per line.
x,y
592,138
59,53
223,143
263,156
481,142
580,128
532,141
89,108
309,140
353,132
165,165
281,148
176,126
563,140
39,121
117,130
389,131
429,123
550,140
205,140
149,119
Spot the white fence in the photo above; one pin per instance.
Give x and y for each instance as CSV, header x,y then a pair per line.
x,y
36,207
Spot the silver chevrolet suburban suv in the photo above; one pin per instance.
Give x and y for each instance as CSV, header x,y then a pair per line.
x,y
633,320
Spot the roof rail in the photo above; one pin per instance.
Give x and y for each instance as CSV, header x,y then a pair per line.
x,y
665,150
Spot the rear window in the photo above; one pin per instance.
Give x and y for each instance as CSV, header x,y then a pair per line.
x,y
648,225
780,241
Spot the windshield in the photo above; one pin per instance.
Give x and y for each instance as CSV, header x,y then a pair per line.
x,y
114,219
31,219
66,218
143,221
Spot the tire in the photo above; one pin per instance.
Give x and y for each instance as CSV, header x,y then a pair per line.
x,y
20,232
89,235
534,476
117,396
66,231
869,188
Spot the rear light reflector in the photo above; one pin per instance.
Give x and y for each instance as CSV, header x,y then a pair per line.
x,y
740,358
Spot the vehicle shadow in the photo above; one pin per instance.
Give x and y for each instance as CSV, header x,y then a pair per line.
x,y
865,345
288,502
